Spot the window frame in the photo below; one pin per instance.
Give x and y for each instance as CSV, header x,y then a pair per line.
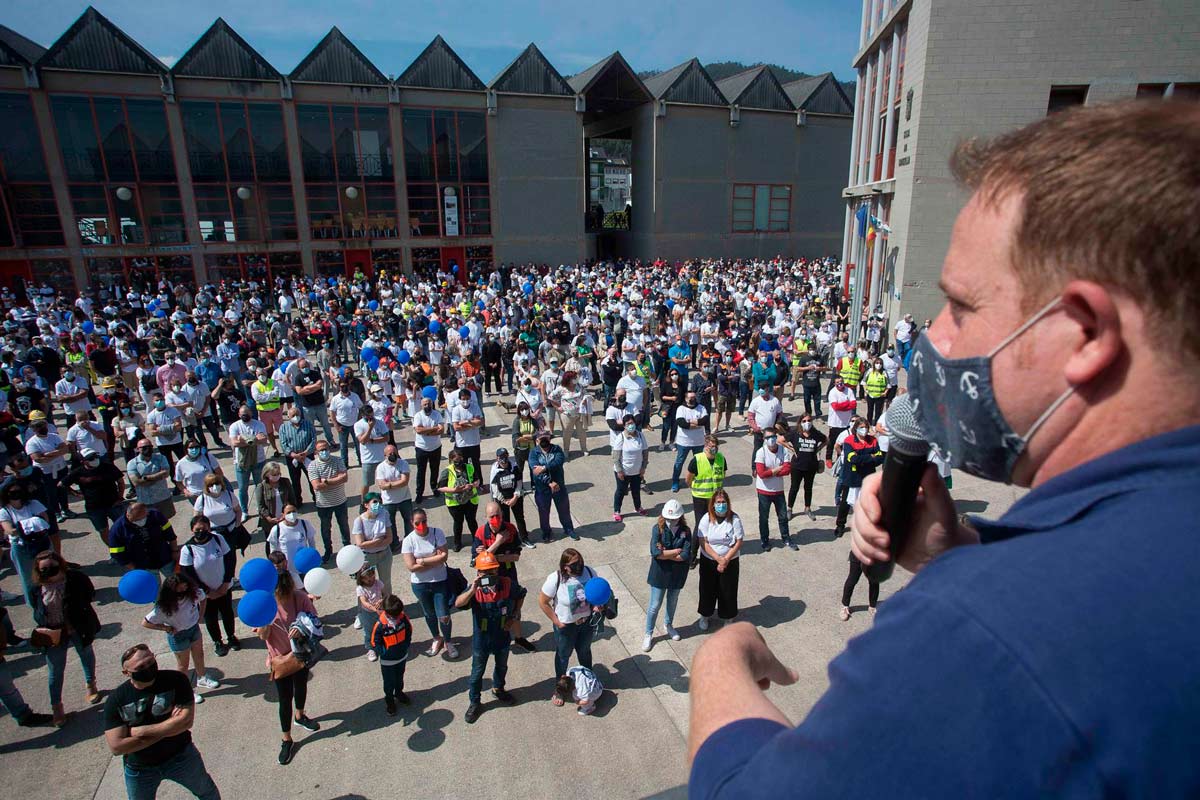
x,y
772,207
470,226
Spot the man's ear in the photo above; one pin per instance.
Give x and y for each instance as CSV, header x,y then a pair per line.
x,y
1099,343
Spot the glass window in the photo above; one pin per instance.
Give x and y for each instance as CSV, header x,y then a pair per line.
x,y
445,143
323,210
106,271
176,269
761,207
34,214
215,214
223,267
77,138
151,141
374,144
316,142
270,144
426,261
1064,97
418,145
21,157
164,213
344,144
329,263
477,215
472,142
203,137
54,272
286,266
114,139
446,150
423,210
280,211
238,160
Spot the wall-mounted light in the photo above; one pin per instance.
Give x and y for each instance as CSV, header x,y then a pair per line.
x,y
243,193
124,193
352,192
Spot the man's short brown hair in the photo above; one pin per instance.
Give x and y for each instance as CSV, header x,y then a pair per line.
x,y
1109,194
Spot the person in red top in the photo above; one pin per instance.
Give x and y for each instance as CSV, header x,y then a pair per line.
x,y
502,540
771,465
277,635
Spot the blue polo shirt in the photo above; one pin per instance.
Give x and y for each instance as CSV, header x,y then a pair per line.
x,y
1059,659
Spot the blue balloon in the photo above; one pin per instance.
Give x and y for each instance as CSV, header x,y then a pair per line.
x,y
258,574
479,304
306,558
312,297
464,332
139,586
670,302
373,305
435,326
367,353
429,310
160,313
404,357
187,326
527,288
257,608
597,591
429,393
333,281
88,326
373,364
454,268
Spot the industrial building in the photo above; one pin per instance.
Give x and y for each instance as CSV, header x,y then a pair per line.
x,y
116,168
934,72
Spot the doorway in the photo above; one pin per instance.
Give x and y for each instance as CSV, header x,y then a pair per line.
x,y
359,261
452,257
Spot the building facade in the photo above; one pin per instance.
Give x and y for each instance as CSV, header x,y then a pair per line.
x,y
934,72
114,168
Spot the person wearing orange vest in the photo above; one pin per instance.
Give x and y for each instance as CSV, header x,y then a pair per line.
x,y
495,602
390,639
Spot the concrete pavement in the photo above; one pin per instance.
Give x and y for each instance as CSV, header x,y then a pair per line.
x,y
634,746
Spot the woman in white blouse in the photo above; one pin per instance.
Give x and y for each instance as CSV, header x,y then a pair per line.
x,y
291,536
721,535
372,531
220,505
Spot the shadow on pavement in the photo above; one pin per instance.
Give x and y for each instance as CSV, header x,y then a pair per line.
x,y
82,726
772,611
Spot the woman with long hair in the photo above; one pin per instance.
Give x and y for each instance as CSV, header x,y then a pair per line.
x,y
565,604
177,612
425,553
670,558
721,535
63,613
804,442
291,686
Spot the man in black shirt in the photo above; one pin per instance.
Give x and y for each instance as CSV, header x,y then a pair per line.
x,y
310,393
812,365
148,720
102,487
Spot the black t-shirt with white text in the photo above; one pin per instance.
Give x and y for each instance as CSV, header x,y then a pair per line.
x,y
129,706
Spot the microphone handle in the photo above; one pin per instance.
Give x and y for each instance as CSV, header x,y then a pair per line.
x,y
898,488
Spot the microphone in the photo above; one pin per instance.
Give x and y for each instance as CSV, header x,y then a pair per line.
x,y
903,466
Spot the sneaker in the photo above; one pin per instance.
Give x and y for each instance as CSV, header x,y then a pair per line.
x,y
616,517
766,546
641,512
310,725
792,545
838,531
205,682
35,720
674,488
326,558
545,538
434,648
646,489
221,648
234,644
358,623
574,536
828,464
524,643
390,705
504,695
528,545
811,514
92,694
197,698
647,643
285,752
451,651
844,614
472,713
703,623
583,712
674,634
372,656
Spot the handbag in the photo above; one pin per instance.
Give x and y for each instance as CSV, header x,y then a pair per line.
x,y
43,638
283,666
456,582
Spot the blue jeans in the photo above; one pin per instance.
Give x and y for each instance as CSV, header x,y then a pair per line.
x,y
479,659
656,600
543,498
681,454
435,605
186,769
345,437
246,477
574,636
405,510
22,559
56,665
325,515
318,415
368,620
10,697
765,503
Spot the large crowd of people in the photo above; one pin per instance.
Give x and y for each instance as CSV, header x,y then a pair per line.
x,y
197,427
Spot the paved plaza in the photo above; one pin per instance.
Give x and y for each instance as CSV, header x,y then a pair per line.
x,y
633,746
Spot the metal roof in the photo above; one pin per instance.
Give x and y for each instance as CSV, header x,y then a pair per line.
x,y
688,82
582,82
531,73
756,87
94,44
16,50
800,90
222,53
335,59
439,67
826,97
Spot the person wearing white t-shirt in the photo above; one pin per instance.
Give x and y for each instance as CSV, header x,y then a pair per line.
x,y
191,470
428,427
635,390
720,535
762,413
289,537
614,417
393,477
564,602
842,404
466,423
771,465
372,437
425,553
248,438
177,612
87,434
208,559
691,426
344,408
72,391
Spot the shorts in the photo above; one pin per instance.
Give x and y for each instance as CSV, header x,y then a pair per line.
x,y
725,404
165,507
182,641
179,450
797,374
271,420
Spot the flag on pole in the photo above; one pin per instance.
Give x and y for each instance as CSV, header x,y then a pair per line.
x,y
879,226
861,215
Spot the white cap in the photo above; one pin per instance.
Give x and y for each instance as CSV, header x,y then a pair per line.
x,y
672,510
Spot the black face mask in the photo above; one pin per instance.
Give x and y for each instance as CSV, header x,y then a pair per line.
x,y
575,569
146,674
45,573
202,534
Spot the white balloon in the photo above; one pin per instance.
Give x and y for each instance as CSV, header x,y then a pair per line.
x,y
317,581
350,559
243,193
352,192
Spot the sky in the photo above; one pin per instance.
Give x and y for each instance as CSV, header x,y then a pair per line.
x,y
813,36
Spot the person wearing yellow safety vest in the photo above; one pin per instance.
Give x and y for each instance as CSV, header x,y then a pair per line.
x,y
266,393
875,382
850,368
800,352
705,475
459,483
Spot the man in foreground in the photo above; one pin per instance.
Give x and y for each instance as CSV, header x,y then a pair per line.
x,y
1047,653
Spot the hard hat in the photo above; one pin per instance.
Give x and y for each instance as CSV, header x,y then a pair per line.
x,y
486,560
672,510
36,415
